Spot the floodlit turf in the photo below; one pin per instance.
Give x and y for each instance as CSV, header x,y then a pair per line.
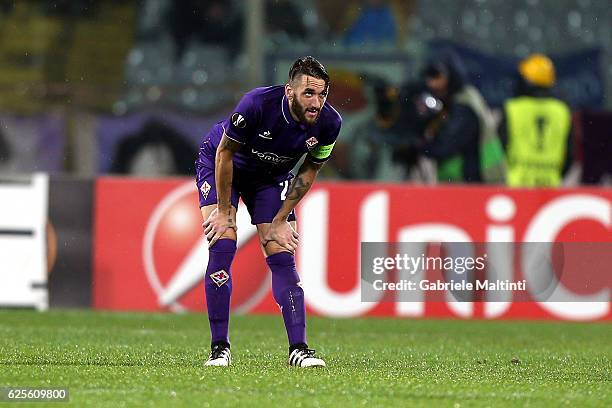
x,y
119,359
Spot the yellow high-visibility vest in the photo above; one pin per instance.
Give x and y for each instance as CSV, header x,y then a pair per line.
x,y
538,129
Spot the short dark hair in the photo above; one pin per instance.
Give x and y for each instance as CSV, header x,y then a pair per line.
x,y
308,66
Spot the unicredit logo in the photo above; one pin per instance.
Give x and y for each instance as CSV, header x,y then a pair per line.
x,y
175,255
375,225
174,251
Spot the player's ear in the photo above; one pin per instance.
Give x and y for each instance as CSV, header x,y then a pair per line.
x,y
288,91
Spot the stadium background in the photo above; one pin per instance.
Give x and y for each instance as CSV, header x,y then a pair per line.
x,y
100,224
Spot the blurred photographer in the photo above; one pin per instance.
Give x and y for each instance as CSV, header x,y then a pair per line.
x,y
419,109
462,138
374,142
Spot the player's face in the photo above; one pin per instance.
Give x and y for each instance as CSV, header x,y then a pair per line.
x,y
306,95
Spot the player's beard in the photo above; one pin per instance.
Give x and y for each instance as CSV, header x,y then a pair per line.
x,y
300,111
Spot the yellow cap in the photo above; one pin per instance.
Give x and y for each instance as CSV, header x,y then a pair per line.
x,y
538,69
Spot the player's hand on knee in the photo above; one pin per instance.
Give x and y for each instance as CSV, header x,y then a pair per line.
x,y
283,234
217,224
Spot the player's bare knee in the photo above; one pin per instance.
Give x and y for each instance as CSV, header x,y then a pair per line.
x,y
271,248
229,234
208,209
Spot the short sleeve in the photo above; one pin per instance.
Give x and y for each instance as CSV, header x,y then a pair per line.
x,y
243,120
322,151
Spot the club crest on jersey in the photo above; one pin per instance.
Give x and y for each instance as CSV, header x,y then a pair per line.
x,y
312,142
205,189
238,120
219,277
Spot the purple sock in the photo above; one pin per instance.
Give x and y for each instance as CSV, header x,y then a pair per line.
x,y
288,295
218,285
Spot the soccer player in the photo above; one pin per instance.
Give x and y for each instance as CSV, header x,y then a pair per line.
x,y
250,156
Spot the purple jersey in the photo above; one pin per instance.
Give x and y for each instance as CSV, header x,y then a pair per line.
x,y
273,142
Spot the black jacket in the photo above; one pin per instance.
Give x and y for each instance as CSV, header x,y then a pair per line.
x,y
460,132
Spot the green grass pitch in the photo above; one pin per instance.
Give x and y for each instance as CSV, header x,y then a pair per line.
x,y
121,359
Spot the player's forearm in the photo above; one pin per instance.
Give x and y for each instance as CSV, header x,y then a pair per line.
x,y
299,187
224,171
224,166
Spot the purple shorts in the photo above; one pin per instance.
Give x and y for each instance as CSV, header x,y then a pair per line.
x,y
262,199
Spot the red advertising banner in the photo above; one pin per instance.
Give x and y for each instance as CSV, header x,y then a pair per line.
x,y
150,253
